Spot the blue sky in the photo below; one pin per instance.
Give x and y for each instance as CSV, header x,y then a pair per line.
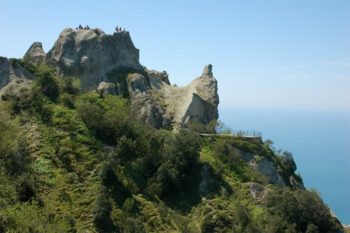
x,y
271,54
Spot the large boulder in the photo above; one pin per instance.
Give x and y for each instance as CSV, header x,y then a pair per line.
x,y
35,54
106,88
91,55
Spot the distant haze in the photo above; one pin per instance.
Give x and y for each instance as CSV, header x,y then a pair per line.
x,y
292,54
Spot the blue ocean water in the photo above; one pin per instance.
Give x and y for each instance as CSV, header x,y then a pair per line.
x,y
319,141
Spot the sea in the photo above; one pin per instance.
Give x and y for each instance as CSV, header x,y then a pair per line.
x,y
319,141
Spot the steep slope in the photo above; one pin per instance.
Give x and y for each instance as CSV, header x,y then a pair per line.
x,y
78,161
92,167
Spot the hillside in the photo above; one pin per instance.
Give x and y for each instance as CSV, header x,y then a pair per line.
x,y
76,159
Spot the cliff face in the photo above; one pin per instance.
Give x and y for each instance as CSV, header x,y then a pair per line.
x,y
13,78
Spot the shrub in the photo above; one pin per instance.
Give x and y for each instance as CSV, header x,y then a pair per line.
x,y
71,85
29,217
46,82
303,209
102,213
107,118
14,155
67,100
179,155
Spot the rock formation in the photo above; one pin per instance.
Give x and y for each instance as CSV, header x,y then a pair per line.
x,y
92,55
35,54
110,64
13,78
197,101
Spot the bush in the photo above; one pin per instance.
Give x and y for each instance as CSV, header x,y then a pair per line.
x,y
102,213
178,156
71,85
14,155
303,209
107,118
229,218
29,217
67,100
46,82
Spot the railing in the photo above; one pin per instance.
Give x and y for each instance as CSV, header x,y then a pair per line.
x,y
236,133
246,134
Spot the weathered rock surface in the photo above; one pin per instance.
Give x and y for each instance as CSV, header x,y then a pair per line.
x,y
158,103
105,88
35,54
157,78
197,101
267,168
13,78
92,55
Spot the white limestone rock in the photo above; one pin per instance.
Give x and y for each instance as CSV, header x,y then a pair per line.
x,y
91,54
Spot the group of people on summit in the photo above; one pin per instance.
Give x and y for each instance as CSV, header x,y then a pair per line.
x,y
117,29
81,27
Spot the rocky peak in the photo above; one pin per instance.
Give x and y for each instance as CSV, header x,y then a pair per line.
x,y
91,54
35,54
207,71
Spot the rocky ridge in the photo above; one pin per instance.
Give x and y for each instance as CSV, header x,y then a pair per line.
x,y
110,64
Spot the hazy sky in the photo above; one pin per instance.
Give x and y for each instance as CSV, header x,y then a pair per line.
x,y
266,53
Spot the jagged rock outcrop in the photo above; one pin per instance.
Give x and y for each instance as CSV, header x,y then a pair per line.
x,y
35,54
197,101
14,78
158,103
92,55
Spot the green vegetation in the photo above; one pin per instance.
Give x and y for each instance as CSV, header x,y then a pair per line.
x,y
72,162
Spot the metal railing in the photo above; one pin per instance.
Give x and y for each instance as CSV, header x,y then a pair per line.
x,y
237,133
246,133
